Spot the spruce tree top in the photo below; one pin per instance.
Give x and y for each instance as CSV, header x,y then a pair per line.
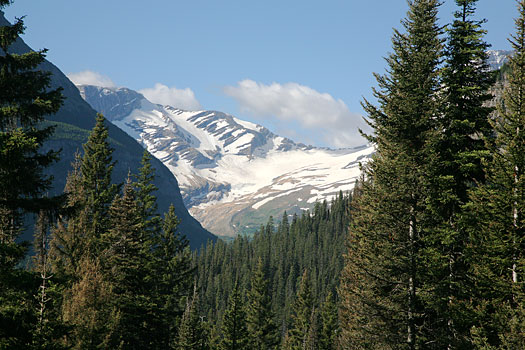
x,y
25,100
406,93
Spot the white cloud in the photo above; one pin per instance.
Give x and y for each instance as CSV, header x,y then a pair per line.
x,y
88,77
179,98
292,102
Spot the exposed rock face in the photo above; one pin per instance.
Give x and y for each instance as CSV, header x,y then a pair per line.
x,y
233,174
497,58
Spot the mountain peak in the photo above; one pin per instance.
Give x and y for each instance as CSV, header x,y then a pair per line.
x,y
497,58
233,174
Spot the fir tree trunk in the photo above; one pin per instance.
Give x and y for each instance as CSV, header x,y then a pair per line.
x,y
412,285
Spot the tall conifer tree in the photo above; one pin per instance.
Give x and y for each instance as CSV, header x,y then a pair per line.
x,y
90,193
124,260
260,319
192,333
147,202
303,329
97,167
77,244
50,327
497,222
381,306
68,237
171,273
457,148
25,100
234,331
329,328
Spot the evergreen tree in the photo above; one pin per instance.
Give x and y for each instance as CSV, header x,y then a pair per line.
x,y
147,202
303,326
383,274
171,275
25,99
192,333
50,328
77,246
311,242
260,319
311,341
86,306
68,238
234,331
454,168
96,169
125,265
329,329
497,223
89,196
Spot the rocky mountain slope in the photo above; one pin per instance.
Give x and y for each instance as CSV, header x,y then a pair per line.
x,y
497,58
74,121
233,174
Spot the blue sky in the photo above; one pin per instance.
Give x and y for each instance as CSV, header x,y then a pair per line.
x,y
298,67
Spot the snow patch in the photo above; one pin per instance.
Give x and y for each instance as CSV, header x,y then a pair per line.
x,y
247,124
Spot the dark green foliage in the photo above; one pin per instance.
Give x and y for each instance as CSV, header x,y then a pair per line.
x,y
303,329
496,215
90,194
380,286
434,253
25,98
170,275
313,242
234,331
78,242
455,167
167,269
97,166
139,262
125,283
329,327
50,327
192,331
123,260
147,202
69,241
260,319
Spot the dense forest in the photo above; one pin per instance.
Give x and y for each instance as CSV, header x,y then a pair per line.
x,y
298,252
426,253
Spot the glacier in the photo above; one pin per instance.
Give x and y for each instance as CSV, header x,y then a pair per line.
x,y
233,174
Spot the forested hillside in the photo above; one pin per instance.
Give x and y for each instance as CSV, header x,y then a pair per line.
x,y
311,245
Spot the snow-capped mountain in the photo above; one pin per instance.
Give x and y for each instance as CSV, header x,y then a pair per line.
x,y
497,58
233,174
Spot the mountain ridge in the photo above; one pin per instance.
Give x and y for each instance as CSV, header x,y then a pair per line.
x,y
74,121
230,169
